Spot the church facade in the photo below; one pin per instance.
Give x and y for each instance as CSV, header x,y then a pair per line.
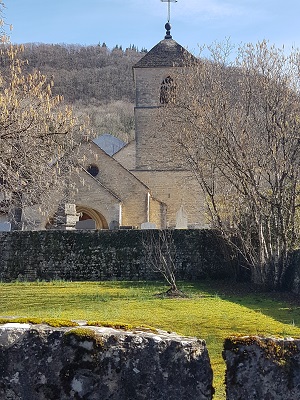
x,y
143,184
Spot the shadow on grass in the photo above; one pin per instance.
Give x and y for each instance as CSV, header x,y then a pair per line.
x,y
281,306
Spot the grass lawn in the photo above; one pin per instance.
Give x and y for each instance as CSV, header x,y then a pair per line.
x,y
212,310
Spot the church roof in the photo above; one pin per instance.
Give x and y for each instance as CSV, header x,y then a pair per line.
x,y
167,53
109,143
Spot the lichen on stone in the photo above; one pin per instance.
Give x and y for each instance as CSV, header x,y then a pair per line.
x,y
85,334
275,349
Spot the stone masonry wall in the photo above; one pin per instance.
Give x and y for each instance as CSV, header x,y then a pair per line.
x,y
131,192
155,145
262,368
175,189
43,363
104,255
126,156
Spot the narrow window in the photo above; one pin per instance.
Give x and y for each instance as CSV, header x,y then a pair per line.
x,y
167,90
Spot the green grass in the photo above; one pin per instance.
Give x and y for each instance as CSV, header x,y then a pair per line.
x,y
211,312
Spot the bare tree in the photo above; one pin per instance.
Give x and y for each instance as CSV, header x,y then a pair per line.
x,y
160,256
237,124
39,137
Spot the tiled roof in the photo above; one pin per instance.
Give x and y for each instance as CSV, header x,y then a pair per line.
x,y
167,53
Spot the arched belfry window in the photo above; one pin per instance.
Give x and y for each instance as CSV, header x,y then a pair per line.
x,y
167,91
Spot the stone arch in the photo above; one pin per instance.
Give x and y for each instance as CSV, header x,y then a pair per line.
x,y
90,213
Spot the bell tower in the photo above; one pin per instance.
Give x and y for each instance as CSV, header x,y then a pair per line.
x,y
154,77
158,157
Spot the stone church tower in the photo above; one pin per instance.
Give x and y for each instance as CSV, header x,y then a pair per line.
x,y
154,85
158,161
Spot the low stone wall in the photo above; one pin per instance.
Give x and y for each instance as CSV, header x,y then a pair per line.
x,y
262,368
103,255
39,362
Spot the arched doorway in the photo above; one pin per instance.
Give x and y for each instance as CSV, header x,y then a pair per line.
x,y
90,213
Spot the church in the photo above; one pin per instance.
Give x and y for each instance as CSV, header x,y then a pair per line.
x,y
141,184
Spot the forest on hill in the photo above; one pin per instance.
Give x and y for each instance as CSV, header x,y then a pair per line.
x,y
96,80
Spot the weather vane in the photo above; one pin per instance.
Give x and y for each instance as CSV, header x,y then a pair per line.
x,y
169,6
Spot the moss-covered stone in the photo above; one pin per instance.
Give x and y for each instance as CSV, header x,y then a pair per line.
x,y
54,322
278,350
262,368
91,363
84,334
121,325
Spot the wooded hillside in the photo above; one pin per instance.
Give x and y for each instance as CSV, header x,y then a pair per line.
x,y
94,79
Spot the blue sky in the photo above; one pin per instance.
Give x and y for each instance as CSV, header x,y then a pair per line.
x,y
141,22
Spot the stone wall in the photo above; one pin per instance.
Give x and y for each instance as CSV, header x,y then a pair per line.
x,y
116,181
39,362
156,148
292,276
126,156
103,255
175,189
262,368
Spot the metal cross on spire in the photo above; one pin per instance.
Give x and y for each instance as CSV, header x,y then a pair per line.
x,y
168,25
169,6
